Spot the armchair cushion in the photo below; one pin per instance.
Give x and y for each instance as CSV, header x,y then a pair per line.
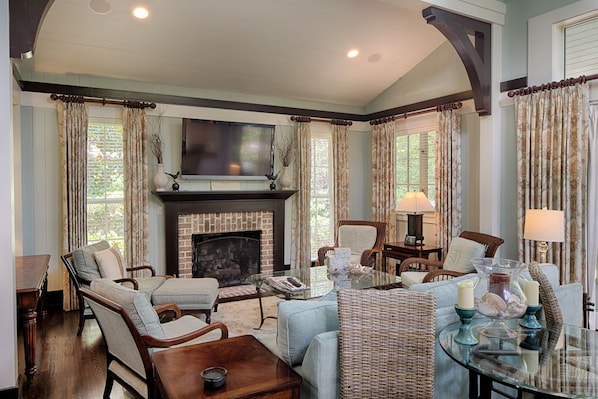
x,y
461,252
111,263
84,261
299,322
357,237
135,303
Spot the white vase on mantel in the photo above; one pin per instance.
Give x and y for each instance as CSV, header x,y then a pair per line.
x,y
285,179
160,178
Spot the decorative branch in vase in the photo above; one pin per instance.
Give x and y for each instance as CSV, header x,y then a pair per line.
x,y
285,150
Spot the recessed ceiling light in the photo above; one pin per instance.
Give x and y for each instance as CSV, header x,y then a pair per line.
x,y
101,7
353,53
140,12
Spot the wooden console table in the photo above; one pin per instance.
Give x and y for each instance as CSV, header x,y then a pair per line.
x,y
31,275
400,251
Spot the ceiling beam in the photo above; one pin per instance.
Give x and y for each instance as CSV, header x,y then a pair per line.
x,y
25,21
476,56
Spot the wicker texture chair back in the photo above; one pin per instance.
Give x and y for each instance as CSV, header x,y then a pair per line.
x,y
548,299
386,343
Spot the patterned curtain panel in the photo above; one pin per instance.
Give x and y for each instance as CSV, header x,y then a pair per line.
x,y
592,232
72,127
448,177
383,181
552,153
301,224
340,149
136,185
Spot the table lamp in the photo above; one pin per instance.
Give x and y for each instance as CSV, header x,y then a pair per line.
x,y
545,226
414,203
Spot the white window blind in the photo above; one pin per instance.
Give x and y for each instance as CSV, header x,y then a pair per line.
x,y
581,48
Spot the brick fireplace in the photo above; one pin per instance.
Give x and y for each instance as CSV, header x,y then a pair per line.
x,y
195,212
225,222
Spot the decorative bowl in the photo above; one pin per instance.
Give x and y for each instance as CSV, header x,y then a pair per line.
x,y
214,377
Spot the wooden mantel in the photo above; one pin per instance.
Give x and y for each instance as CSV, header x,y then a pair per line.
x,y
190,202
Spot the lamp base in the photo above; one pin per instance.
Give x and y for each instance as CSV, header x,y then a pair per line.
x,y
415,234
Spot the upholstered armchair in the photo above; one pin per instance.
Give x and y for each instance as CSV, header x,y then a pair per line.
x,y
462,250
100,260
132,330
365,239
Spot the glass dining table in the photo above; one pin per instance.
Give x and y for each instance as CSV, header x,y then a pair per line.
x,y
559,361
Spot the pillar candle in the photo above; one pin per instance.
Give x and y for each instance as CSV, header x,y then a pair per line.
x,y
465,294
531,290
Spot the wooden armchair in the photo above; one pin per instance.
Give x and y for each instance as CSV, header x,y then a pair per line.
x,y
88,274
132,330
432,270
365,239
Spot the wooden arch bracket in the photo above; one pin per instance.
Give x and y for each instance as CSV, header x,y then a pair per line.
x,y
475,56
25,21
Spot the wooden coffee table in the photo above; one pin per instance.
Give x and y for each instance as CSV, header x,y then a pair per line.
x,y
253,371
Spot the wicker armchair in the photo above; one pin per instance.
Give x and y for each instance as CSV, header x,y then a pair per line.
x,y
380,355
432,270
359,236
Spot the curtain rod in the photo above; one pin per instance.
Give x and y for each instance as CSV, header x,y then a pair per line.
x,y
308,119
103,101
552,85
438,108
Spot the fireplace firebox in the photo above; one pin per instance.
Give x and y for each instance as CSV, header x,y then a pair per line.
x,y
230,257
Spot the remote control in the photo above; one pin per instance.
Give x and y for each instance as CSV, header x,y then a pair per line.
x,y
294,281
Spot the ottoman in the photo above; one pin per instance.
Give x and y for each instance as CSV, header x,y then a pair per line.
x,y
190,294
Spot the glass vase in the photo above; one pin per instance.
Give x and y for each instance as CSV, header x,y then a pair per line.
x,y
504,298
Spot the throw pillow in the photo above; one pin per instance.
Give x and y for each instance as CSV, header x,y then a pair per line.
x,y
111,263
461,252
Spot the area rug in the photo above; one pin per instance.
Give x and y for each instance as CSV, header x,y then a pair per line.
x,y
243,317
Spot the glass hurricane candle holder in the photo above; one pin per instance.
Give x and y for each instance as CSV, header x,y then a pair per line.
x,y
504,299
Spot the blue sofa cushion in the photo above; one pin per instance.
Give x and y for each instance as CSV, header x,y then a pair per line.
x,y
299,322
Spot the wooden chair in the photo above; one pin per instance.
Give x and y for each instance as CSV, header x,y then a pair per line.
x,y
432,270
386,343
349,234
79,282
132,331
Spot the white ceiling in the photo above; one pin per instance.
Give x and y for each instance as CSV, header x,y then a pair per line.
x,y
294,49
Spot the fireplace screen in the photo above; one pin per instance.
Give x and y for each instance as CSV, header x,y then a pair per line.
x,y
229,257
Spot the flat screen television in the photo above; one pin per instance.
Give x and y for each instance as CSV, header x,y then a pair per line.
x,y
226,150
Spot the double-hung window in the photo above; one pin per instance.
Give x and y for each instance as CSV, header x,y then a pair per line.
x,y
416,161
321,196
105,182
581,48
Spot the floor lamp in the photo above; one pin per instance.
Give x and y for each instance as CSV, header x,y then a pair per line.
x,y
544,226
413,203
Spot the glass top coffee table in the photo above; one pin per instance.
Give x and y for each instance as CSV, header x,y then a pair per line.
x,y
317,282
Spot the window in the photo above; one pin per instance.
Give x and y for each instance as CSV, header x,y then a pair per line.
x,y
105,183
581,48
321,198
416,164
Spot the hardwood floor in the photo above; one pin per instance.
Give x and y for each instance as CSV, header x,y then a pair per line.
x,y
67,366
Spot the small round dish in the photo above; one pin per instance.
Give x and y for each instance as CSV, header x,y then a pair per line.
x,y
214,377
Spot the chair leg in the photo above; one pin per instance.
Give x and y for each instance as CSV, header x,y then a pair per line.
x,y
108,387
208,316
81,316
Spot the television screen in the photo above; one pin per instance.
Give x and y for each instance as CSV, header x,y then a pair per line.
x,y
226,150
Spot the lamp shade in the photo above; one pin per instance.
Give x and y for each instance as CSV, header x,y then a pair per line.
x,y
415,202
544,225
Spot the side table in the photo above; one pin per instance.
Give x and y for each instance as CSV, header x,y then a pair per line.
x,y
253,371
400,251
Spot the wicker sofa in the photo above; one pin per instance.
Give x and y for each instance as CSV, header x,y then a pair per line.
x,y
307,336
